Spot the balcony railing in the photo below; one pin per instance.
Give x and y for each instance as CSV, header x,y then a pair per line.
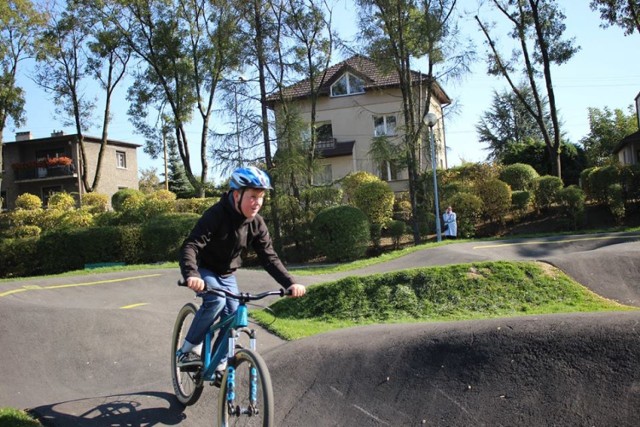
x,y
44,172
326,143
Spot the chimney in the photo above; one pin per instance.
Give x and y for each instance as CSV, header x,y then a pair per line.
x,y
57,133
23,136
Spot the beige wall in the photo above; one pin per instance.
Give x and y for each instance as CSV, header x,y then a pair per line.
x,y
113,178
352,120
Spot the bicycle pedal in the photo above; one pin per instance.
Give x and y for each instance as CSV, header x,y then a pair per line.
x,y
190,367
217,380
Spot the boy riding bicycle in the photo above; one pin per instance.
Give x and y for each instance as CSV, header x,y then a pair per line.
x,y
212,253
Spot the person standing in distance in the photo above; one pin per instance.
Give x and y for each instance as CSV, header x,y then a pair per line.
x,y
211,254
450,224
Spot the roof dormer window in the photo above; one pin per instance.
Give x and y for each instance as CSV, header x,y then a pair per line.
x,y
348,84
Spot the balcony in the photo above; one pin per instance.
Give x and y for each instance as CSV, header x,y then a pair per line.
x,y
58,167
326,143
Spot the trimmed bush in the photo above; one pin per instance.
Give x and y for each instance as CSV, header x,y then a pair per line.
x,y
354,180
521,201
20,216
547,191
572,200
341,233
599,182
496,199
23,231
61,201
76,219
519,176
126,199
616,202
375,199
95,203
28,202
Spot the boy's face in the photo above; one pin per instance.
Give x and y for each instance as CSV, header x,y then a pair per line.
x,y
251,201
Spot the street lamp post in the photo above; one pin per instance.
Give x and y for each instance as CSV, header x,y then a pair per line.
x,y
430,120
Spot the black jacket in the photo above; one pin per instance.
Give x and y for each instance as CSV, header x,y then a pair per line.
x,y
219,237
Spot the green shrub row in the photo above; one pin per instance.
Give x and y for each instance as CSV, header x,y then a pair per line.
x,y
63,250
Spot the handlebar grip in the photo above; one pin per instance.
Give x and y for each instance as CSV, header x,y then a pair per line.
x,y
182,282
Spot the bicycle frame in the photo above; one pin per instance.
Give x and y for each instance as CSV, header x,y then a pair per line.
x,y
230,327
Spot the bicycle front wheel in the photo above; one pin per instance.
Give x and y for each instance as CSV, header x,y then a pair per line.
x,y
247,398
187,384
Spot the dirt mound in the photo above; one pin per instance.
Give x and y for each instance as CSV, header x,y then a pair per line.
x,y
576,369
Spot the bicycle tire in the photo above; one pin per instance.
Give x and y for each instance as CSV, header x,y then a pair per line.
x,y
187,386
243,361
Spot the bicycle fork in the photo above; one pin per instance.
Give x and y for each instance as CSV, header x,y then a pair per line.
x,y
232,409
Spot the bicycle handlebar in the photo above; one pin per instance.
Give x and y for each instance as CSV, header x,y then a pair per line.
x,y
242,296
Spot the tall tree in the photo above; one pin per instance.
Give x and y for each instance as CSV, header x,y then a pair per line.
x,y
75,47
309,30
537,30
507,122
623,13
397,33
185,48
19,24
606,129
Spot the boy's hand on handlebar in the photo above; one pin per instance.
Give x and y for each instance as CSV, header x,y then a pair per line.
x,y
195,284
296,290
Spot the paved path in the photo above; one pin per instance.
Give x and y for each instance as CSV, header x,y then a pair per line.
x,y
94,350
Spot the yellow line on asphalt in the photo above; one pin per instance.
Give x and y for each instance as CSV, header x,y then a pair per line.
x,y
539,242
73,285
140,304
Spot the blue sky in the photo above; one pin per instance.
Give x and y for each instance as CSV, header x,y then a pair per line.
x,y
605,72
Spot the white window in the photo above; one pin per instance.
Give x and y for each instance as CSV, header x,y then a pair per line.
x,y
384,125
348,84
121,159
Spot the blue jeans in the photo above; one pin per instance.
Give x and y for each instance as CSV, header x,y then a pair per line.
x,y
212,306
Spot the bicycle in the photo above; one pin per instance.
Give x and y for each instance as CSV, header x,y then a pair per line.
x,y
246,394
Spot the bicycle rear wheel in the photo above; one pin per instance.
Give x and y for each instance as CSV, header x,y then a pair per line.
x,y
250,406
187,385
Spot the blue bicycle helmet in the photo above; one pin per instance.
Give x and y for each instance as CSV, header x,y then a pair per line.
x,y
249,177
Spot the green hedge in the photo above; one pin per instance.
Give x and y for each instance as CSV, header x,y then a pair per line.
x,y
61,250
163,236
18,257
341,233
66,250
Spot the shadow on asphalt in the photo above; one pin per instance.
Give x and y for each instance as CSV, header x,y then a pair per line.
x,y
118,410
